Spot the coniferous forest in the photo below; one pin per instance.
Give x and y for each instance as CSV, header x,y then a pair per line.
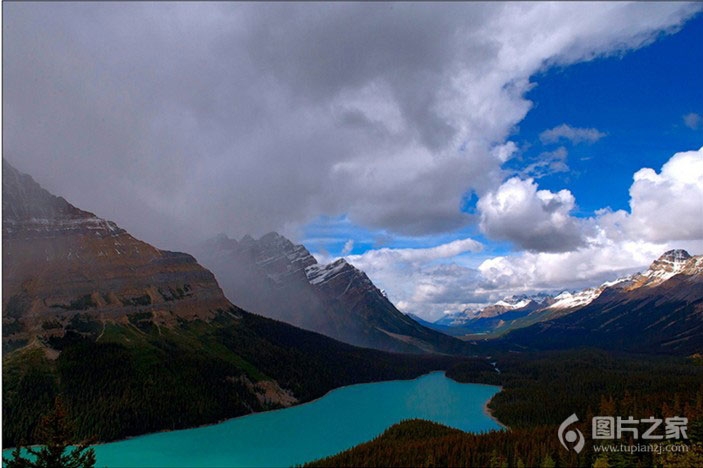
x,y
540,390
138,381
119,387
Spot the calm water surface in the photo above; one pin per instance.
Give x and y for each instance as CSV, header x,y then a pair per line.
x,y
341,419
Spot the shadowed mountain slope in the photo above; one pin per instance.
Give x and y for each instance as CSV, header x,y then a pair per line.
x,y
276,278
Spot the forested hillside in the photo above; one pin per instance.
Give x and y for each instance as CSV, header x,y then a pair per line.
x,y
134,381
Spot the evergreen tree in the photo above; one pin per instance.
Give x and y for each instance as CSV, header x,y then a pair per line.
x,y
548,462
601,462
55,430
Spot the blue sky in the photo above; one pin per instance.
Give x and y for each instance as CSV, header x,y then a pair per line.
x,y
458,153
642,106
638,99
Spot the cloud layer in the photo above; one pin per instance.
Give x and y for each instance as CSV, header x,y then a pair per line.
x,y
183,120
666,211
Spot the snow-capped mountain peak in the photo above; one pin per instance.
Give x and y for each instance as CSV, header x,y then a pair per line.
x,y
670,264
522,311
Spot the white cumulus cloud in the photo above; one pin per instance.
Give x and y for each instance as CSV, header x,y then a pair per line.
x,y
666,212
533,219
378,258
668,206
417,280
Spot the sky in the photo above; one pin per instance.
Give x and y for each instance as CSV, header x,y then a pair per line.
x,y
458,153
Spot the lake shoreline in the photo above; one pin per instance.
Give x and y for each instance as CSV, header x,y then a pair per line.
x,y
488,412
253,413
393,389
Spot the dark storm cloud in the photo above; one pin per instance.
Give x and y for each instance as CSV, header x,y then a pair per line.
x,y
182,120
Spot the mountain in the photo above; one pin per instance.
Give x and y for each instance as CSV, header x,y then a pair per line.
x,y
135,339
672,263
659,311
273,277
495,318
454,319
522,311
58,260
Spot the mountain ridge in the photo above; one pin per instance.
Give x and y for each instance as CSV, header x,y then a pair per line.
x,y
520,311
279,279
59,260
657,311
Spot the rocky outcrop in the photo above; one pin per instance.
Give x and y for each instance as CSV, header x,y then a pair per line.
x,y
671,263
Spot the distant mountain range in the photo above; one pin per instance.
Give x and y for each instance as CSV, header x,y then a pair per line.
x,y
658,310
273,277
494,319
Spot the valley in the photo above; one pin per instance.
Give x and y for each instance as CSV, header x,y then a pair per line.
x,y
164,349
383,234
540,390
136,340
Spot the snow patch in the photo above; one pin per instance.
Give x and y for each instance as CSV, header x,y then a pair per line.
x,y
317,274
513,305
567,300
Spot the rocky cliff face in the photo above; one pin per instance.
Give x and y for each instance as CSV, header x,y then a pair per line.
x,y
63,265
278,279
267,277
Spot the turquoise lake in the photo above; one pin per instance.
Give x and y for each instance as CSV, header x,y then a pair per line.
x,y
341,419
